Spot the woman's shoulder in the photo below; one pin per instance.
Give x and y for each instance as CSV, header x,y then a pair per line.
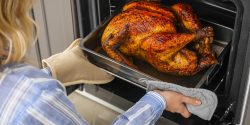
x,y
21,85
22,69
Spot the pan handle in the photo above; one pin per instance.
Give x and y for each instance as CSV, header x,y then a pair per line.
x,y
216,69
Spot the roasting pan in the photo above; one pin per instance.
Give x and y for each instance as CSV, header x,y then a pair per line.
x,y
91,45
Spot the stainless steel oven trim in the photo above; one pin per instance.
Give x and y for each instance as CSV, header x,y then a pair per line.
x,y
245,108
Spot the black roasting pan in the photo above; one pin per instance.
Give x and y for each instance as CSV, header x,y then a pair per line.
x,y
91,45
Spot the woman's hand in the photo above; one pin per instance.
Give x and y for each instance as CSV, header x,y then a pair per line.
x,y
176,102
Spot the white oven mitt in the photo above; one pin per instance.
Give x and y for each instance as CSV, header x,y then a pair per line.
x,y
72,67
208,98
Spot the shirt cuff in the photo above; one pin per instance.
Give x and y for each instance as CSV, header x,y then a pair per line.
x,y
155,99
158,96
47,71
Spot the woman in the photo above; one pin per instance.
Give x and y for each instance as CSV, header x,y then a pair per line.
x,y
33,96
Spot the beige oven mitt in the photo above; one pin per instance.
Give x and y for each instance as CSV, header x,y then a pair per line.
x,y
72,67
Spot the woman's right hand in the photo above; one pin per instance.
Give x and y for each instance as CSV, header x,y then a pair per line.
x,y
72,67
176,102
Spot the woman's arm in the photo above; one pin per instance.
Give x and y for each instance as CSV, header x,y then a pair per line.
x,y
150,107
146,111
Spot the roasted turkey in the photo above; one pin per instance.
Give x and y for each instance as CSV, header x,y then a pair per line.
x,y
171,39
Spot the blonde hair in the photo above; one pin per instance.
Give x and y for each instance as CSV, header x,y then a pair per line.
x,y
17,29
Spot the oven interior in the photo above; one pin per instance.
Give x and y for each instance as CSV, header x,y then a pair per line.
x,y
223,13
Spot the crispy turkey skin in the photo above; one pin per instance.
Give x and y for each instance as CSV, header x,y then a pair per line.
x,y
148,31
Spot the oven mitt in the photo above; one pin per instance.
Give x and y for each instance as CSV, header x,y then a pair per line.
x,y
72,67
207,97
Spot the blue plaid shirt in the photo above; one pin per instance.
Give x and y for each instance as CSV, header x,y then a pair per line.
x,y
29,95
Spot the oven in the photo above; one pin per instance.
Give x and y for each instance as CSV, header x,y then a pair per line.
x,y
229,79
